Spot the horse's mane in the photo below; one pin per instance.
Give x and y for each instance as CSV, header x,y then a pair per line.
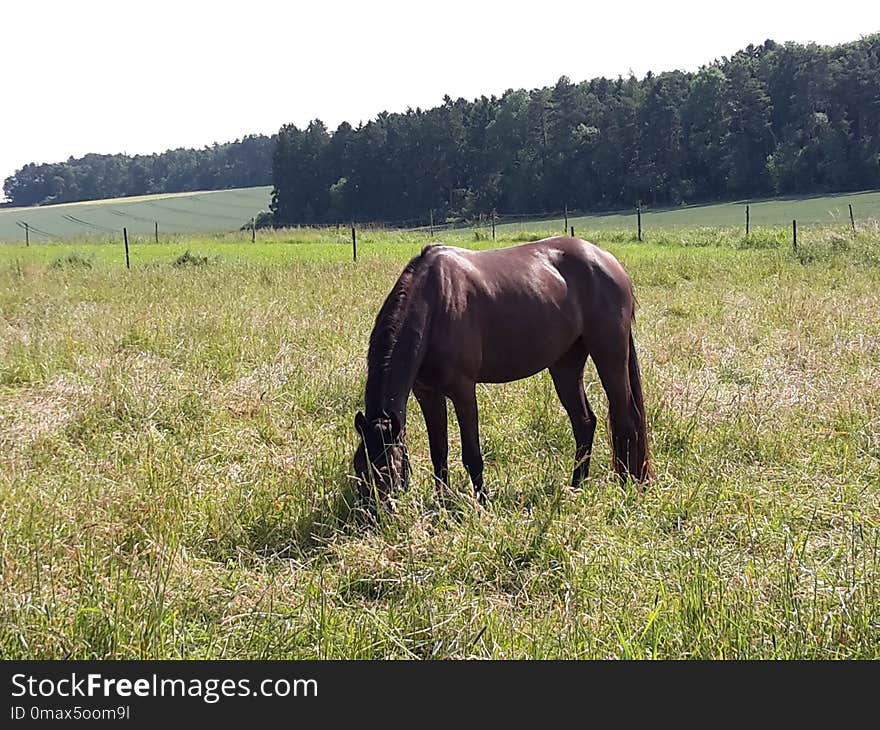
x,y
386,330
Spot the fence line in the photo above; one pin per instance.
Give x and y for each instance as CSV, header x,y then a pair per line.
x,y
429,224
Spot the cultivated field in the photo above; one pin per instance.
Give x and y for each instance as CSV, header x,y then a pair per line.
x,y
220,211
821,210
204,211
175,444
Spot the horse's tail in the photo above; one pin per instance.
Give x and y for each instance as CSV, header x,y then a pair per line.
x,y
642,463
629,426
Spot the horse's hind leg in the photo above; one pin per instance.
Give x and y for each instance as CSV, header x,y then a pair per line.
x,y
568,377
464,398
433,407
612,364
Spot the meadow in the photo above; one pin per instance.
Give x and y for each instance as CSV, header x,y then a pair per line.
x,y
176,442
217,212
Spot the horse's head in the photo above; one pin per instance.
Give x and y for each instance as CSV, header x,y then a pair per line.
x,y
381,462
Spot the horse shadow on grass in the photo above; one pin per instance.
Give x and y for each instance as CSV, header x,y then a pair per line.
x,y
342,514
338,514
301,531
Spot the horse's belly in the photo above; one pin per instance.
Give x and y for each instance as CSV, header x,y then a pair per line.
x,y
492,373
515,352
505,324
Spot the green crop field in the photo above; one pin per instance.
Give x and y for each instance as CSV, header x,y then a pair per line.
x,y
827,210
176,442
203,212
213,212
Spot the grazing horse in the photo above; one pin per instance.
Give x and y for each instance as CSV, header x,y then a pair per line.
x,y
457,317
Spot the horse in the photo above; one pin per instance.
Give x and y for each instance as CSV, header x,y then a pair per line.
x,y
457,317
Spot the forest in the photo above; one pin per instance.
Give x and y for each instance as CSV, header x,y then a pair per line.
x,y
243,163
772,119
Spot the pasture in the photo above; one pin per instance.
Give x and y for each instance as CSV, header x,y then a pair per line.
x,y
175,445
819,210
216,212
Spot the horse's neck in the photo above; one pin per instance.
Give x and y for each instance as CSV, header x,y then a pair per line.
x,y
389,389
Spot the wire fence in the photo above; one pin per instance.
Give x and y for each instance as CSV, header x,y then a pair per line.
x,y
205,213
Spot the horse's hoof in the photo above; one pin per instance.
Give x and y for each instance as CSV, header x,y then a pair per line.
x,y
445,498
389,506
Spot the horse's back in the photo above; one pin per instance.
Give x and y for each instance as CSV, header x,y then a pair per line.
x,y
542,270
511,312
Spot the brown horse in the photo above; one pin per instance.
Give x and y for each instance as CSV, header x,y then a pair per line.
x,y
457,317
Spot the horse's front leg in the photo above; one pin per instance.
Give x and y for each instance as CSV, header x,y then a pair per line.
x,y
433,407
464,398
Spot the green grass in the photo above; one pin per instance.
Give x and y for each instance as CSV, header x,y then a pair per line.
x,y
220,211
326,245
820,210
175,443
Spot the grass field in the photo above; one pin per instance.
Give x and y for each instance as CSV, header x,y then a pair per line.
x,y
220,211
175,445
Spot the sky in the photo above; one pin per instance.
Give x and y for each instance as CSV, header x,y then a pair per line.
x,y
138,77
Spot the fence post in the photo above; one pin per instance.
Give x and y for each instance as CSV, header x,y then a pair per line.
x,y
125,237
794,235
27,235
747,220
566,218
156,229
572,231
493,224
254,229
852,220
354,244
432,222
639,218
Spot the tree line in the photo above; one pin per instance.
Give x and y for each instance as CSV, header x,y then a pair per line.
x,y
243,163
772,119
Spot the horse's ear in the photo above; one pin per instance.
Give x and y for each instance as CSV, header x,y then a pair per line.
x,y
360,422
395,424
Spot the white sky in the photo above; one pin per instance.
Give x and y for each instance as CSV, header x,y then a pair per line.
x,y
84,76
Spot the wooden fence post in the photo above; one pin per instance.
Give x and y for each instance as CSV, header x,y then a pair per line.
x,y
566,218
354,244
852,220
639,218
156,228
747,220
125,237
493,224
27,235
572,231
254,229
794,235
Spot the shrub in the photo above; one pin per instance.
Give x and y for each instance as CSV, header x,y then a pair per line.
x,y
190,259
73,260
